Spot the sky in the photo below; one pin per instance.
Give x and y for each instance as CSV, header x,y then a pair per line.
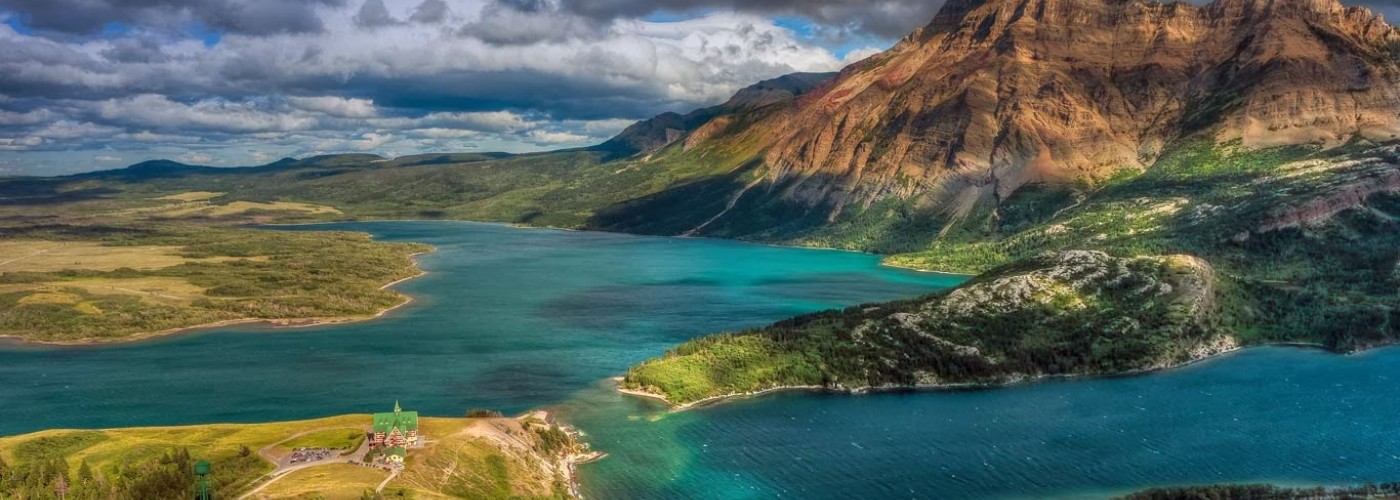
x,y
99,84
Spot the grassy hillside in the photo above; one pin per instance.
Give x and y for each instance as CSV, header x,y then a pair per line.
x,y
464,458
84,283
153,462
1305,240
566,188
498,458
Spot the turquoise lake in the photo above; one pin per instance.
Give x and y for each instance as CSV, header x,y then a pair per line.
x,y
515,319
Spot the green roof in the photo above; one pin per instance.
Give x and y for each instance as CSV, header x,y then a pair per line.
x,y
397,450
404,421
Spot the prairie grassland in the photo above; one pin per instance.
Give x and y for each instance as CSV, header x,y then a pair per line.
x,y
46,256
102,449
133,459
210,210
191,196
330,482
72,284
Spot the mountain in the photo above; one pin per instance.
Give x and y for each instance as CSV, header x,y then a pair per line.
x,y
993,96
1249,147
648,136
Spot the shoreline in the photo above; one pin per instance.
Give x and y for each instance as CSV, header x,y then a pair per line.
x,y
1010,383
275,323
567,465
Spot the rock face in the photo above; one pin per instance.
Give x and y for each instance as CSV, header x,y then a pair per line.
x,y
993,95
1328,188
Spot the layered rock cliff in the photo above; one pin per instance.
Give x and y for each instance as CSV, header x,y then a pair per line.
x,y
994,95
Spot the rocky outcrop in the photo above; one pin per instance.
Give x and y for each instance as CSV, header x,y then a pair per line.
x,y
1321,189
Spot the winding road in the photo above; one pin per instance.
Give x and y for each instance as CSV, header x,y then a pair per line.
x,y
284,466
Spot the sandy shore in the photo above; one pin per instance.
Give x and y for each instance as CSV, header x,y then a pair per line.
x,y
276,323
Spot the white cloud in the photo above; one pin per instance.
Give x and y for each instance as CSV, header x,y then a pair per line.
x,y
336,106
20,143
546,137
195,158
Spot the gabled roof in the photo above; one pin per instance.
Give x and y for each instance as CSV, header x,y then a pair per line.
x,y
398,419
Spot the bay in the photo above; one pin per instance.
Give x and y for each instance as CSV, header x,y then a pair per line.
x,y
514,319
506,318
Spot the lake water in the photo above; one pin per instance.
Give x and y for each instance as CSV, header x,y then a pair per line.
x,y
516,319
1276,415
508,319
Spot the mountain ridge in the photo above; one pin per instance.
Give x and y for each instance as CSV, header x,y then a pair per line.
x,y
993,95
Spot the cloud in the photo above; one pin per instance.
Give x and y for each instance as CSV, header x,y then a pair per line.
x,y
195,158
158,112
430,12
234,16
335,106
520,22
374,14
885,18
160,78
547,137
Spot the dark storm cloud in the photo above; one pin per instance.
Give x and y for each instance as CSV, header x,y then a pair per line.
x,y
136,50
430,12
233,16
884,18
373,14
524,22
515,90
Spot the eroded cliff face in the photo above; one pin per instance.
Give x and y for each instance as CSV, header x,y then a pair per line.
x,y
997,94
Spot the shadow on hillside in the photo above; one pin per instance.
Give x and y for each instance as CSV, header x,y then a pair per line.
x,y
16,192
718,206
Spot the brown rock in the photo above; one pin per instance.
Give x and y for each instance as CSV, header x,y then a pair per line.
x,y
995,94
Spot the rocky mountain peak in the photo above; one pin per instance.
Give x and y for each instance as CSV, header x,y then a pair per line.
x,y
995,95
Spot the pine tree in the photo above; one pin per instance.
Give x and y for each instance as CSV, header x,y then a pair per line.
x,y
84,472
